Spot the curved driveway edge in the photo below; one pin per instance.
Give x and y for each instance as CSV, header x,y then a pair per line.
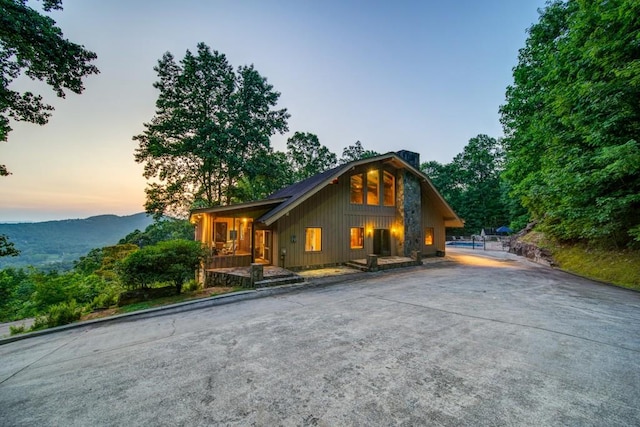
x,y
260,293
191,305
489,340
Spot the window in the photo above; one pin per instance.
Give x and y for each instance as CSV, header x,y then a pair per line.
x,y
357,189
373,187
428,236
313,239
220,233
389,189
357,238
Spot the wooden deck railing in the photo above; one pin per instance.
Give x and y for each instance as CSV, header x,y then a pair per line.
x,y
227,261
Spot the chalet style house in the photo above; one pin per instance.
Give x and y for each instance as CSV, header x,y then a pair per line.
x,y
382,205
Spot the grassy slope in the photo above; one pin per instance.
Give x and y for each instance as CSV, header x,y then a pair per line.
x,y
618,267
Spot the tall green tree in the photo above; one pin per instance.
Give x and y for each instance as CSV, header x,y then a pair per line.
x,y
32,44
478,168
444,177
572,121
307,156
210,122
265,175
356,152
471,184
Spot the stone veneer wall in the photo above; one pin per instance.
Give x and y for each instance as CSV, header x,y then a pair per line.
x,y
409,203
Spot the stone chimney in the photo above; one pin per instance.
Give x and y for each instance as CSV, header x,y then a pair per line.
x,y
410,157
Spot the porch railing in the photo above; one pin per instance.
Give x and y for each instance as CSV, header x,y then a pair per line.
x,y
226,261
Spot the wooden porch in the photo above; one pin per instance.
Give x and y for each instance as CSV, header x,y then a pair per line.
x,y
227,261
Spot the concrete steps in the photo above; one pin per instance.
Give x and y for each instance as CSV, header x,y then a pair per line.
x,y
356,265
277,281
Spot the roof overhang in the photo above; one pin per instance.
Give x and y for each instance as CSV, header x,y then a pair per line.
x,y
249,209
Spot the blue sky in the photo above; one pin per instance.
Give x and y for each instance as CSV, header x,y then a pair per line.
x,y
419,75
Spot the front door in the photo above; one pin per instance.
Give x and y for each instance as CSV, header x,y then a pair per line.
x,y
263,246
381,242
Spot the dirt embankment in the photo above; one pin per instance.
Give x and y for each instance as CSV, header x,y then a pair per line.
x,y
527,244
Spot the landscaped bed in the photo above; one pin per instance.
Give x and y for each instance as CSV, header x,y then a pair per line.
x,y
158,302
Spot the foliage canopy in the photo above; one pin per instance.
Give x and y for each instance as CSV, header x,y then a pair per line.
x,y
31,43
172,261
210,122
471,184
356,152
7,248
161,230
572,122
307,156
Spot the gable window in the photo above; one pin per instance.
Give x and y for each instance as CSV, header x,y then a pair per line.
x,y
428,236
313,239
357,189
389,189
357,238
373,187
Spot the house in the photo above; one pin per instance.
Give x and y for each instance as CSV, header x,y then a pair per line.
x,y
382,205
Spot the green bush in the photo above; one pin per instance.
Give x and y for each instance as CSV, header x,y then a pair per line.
x,y
58,315
18,329
173,261
191,286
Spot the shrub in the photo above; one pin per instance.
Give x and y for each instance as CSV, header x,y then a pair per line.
x,y
108,297
17,329
59,314
191,285
172,261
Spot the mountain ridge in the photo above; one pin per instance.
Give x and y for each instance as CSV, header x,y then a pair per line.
x,y
56,244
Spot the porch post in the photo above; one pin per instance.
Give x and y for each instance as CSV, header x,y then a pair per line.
x,y
257,273
253,242
372,262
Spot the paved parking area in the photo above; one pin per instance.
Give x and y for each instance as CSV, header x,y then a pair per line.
x,y
471,342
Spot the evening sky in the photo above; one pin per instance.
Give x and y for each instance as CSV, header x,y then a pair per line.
x,y
419,75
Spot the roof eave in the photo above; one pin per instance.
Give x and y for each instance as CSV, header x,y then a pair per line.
x,y
247,205
455,220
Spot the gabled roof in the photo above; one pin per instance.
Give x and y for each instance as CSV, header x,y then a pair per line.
x,y
258,205
283,201
301,191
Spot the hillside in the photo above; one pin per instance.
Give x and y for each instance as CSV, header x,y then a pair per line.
x,y
620,267
56,244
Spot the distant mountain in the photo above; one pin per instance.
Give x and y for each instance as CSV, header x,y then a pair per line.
x,y
56,244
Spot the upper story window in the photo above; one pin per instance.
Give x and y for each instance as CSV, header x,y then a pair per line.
x,y
373,187
370,190
389,189
357,189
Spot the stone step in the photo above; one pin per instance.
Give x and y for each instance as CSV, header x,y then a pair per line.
x,y
277,281
357,266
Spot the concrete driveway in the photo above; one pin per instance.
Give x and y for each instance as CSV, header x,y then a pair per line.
x,y
472,342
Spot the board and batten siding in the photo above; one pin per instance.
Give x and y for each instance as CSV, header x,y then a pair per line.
x,y
432,217
330,209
